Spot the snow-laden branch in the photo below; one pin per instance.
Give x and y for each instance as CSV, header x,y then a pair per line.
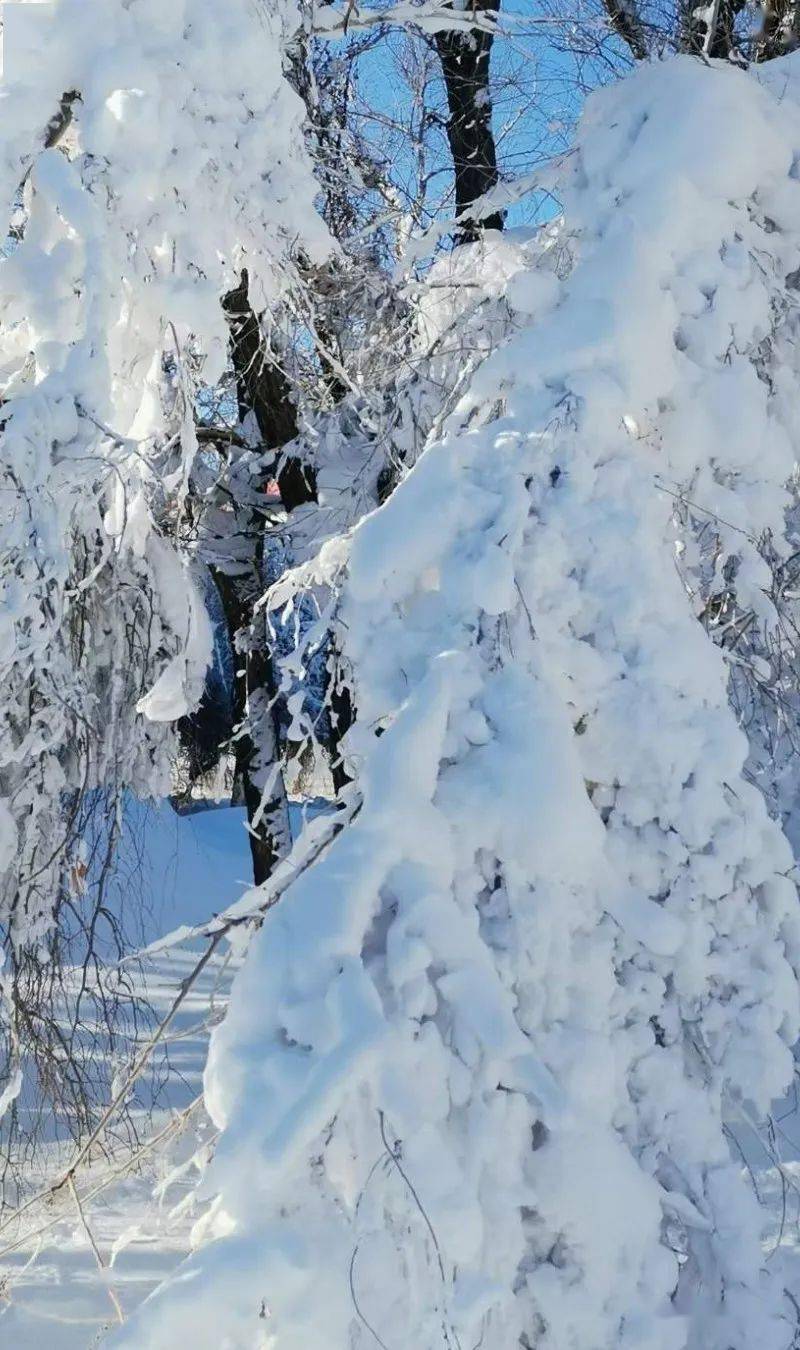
x,y
474,1082
134,208
499,198
435,16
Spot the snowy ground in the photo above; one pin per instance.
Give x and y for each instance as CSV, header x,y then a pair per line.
x,y
52,1290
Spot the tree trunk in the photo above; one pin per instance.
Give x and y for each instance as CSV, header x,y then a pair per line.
x,y
264,390
780,32
465,59
710,31
255,743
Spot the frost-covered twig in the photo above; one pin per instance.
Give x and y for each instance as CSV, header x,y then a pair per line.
x,y
47,1195
101,1264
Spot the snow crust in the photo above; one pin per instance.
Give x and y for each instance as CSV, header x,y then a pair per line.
x,y
476,1072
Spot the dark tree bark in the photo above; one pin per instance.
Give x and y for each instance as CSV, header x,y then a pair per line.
x,y
255,743
701,31
626,23
711,32
780,32
341,713
465,60
264,389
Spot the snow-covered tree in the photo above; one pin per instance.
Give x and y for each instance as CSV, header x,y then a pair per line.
x,y
478,1071
503,1008
139,175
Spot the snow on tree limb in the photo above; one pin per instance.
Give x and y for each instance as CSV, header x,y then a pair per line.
x,y
474,1080
137,197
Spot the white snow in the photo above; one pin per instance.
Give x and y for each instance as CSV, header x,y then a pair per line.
x,y
477,1072
52,1290
170,171
492,1070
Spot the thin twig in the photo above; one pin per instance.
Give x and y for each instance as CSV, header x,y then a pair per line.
x,y
215,931
409,1184
138,1066
360,1314
101,1265
172,1126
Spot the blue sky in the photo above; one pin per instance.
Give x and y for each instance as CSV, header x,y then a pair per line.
x,y
538,91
